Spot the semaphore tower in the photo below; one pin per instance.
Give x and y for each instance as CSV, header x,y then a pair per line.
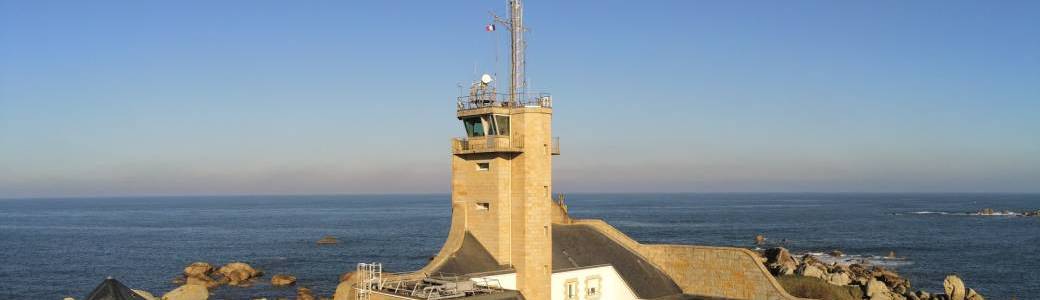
x,y
509,240
502,170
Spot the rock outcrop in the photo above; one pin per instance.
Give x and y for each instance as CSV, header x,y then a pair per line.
x,y
198,273
283,280
238,273
145,294
328,240
188,292
876,282
780,262
954,287
304,294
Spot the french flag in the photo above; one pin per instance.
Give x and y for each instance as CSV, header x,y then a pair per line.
x,y
490,27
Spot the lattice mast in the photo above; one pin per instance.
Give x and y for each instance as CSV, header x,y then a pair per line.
x,y
517,81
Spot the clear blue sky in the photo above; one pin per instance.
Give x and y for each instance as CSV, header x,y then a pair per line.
x,y
288,97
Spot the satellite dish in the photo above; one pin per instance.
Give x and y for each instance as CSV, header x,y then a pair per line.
x,y
486,79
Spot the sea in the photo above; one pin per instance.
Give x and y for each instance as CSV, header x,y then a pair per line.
x,y
56,248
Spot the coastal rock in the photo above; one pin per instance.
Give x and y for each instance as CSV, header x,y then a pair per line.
x,y
345,276
954,287
328,240
187,292
202,280
304,294
836,253
780,262
810,270
283,280
840,278
760,240
238,273
145,294
344,291
198,269
895,282
877,290
972,295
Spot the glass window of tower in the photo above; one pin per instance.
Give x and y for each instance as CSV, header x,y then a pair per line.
x,y
474,126
503,124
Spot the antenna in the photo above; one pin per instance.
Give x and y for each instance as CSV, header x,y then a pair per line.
x,y
516,29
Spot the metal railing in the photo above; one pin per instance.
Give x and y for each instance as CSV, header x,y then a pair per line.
x,y
491,143
488,99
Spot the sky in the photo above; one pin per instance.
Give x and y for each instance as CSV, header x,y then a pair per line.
x,y
125,98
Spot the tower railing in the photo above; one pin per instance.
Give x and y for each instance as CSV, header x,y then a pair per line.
x,y
488,99
491,143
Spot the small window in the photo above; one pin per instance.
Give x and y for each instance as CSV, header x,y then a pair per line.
x,y
483,166
570,289
592,287
483,206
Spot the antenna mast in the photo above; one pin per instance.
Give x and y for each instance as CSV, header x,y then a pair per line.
x,y
516,27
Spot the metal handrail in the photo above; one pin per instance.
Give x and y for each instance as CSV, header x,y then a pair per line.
x,y
488,99
488,143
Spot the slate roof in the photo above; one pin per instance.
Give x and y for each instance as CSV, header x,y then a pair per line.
x,y
574,246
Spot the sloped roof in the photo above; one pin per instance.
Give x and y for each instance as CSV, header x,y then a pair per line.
x,y
577,246
574,246
112,289
471,258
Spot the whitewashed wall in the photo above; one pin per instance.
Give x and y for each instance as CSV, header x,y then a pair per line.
x,y
613,287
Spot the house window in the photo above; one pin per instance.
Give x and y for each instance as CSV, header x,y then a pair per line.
x,y
592,287
483,206
483,166
570,289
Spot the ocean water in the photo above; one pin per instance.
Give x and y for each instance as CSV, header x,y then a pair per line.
x,y
53,248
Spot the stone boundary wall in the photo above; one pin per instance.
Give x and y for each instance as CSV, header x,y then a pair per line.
x,y
721,272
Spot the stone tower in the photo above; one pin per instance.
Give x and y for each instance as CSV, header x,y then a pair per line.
x,y
502,181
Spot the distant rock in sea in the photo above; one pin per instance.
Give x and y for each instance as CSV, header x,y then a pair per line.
x,y
328,240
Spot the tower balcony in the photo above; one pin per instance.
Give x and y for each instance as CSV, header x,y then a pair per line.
x,y
487,144
496,143
483,100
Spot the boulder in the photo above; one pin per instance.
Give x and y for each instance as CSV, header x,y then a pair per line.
x,y
304,294
283,280
327,240
895,282
840,278
202,280
197,269
877,290
780,262
760,240
954,287
809,270
344,291
972,295
187,292
145,294
238,273
837,253
345,276
923,295
811,260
